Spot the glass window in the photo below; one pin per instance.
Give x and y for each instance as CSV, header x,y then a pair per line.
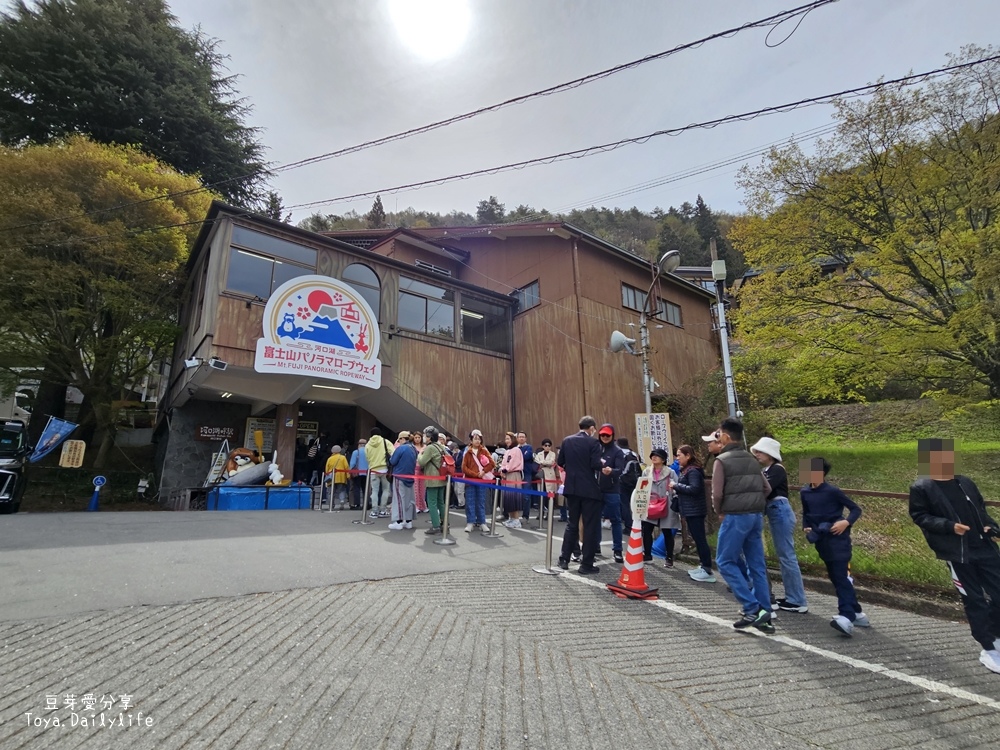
x,y
527,297
265,243
485,324
286,272
427,290
441,319
672,313
426,308
365,282
412,312
249,273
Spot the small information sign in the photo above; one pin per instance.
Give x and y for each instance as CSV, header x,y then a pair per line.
x,y
72,454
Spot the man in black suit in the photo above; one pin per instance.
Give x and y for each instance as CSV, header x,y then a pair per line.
x,y
580,456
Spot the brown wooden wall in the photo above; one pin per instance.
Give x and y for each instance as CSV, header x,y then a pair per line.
x,y
462,390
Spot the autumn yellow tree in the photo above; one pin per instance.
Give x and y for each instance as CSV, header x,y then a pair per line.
x,y
93,240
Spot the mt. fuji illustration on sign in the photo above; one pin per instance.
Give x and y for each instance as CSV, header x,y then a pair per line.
x,y
319,326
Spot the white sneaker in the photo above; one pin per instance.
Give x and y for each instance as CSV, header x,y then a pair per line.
x,y
407,524
510,523
845,626
861,620
700,574
606,524
991,660
516,524
373,514
469,527
396,525
485,527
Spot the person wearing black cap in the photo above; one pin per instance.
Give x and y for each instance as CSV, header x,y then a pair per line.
x,y
661,477
609,480
580,456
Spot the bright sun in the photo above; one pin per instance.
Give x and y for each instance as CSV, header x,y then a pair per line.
x,y
433,29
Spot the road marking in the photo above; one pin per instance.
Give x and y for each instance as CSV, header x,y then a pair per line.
x,y
894,674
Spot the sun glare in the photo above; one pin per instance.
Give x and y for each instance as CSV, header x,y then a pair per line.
x,y
433,29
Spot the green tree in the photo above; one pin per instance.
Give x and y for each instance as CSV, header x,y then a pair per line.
x,y
879,254
376,217
275,209
525,213
490,211
122,71
89,295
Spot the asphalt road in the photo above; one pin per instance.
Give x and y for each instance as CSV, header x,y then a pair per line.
x,y
299,630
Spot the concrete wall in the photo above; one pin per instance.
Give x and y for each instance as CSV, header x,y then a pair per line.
x,y
186,461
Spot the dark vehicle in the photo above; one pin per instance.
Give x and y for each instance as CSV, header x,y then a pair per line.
x,y
14,452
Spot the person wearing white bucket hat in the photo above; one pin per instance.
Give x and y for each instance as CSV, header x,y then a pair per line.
x,y
781,521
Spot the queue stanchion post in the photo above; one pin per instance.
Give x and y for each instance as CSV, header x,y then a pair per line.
x,y
364,502
547,569
493,514
541,503
445,540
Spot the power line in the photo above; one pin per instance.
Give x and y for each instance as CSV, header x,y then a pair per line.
x,y
615,145
591,150
771,21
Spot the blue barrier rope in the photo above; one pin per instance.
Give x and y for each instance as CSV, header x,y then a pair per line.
x,y
502,487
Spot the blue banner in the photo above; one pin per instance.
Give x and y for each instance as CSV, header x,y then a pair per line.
x,y
56,430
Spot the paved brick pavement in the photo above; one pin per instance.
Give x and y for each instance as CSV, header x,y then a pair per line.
x,y
486,656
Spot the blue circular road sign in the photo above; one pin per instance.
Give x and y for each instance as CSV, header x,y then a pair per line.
x,y
100,481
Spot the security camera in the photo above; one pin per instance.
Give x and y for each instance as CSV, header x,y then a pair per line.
x,y
193,362
217,364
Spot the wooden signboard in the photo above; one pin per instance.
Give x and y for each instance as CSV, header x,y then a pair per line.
x,y
72,454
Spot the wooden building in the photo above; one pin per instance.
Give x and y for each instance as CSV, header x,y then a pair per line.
x,y
493,328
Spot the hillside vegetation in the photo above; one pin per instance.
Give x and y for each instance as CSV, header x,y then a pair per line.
x,y
873,446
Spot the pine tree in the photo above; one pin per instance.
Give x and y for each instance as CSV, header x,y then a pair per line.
x,y
376,217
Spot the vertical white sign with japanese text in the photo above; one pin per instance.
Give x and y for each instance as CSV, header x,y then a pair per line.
x,y
653,431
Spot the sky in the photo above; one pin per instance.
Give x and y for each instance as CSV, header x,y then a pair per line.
x,y
325,75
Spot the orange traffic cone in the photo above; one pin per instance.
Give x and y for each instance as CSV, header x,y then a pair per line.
x,y
632,582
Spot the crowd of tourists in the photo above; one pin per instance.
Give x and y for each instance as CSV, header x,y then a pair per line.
x,y
593,473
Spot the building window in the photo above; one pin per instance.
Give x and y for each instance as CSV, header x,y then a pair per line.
x,y
260,263
426,308
635,299
485,324
672,313
527,297
365,282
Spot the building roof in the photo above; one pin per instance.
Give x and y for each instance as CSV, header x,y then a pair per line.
x,y
543,228
220,210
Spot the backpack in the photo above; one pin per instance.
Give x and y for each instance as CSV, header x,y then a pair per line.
x,y
630,475
447,464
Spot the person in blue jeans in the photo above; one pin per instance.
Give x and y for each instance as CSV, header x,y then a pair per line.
x,y
781,519
477,464
609,480
739,493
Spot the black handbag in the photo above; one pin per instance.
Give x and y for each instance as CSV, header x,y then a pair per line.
x,y
388,466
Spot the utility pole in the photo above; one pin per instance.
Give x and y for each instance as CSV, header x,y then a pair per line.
x,y
719,276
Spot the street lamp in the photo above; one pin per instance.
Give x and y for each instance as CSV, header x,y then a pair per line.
x,y
668,263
